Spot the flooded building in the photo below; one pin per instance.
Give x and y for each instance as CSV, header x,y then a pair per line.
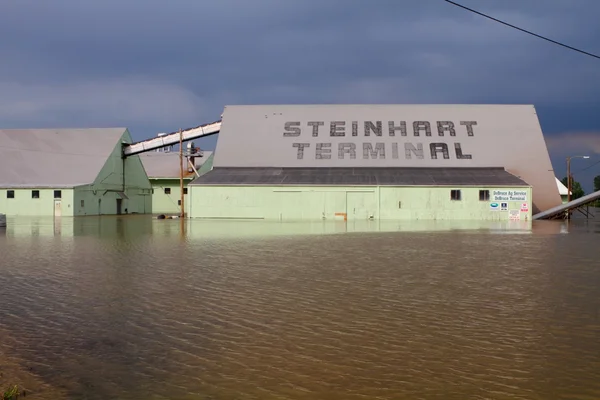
x,y
163,170
70,172
358,162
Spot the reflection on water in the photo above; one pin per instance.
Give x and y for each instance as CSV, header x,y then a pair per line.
x,y
136,226
135,308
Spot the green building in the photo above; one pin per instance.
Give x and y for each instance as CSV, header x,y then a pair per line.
x,y
163,170
70,172
380,162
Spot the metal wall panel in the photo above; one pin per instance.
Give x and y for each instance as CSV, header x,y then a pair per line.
x,y
312,203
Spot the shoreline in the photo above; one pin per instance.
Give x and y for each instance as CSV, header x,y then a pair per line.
x,y
14,372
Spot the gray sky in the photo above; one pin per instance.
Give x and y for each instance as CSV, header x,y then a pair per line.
x,y
156,66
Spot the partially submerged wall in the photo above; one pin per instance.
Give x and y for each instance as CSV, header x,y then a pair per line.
x,y
506,136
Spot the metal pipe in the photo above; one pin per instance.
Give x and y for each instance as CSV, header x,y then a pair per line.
x,y
193,167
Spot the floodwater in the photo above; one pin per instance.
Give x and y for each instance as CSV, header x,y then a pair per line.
x,y
135,308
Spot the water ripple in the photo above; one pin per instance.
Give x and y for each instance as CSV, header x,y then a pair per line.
x,y
378,316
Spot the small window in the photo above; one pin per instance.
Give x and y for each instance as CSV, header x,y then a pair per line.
x,y
35,194
82,203
178,202
167,190
184,190
484,195
57,194
455,194
10,194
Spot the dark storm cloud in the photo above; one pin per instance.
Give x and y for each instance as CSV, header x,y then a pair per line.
x,y
160,65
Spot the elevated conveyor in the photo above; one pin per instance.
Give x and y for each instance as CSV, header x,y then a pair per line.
x,y
172,138
560,211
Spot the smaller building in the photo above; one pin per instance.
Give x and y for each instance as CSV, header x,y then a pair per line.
x,y
563,190
163,170
70,172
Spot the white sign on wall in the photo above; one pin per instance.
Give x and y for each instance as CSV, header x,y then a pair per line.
x,y
514,215
509,195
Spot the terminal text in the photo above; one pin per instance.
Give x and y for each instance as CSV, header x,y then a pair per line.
x,y
325,151
376,128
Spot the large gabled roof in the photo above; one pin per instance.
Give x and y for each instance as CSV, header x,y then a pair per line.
x,y
165,165
403,176
54,157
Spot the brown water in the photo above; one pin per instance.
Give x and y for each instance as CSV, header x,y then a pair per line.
x,y
135,308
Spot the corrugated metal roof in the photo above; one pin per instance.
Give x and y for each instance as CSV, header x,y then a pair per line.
x,y
361,176
165,165
390,135
54,157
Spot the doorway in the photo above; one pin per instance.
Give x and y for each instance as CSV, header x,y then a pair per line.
x,y
358,205
57,208
119,206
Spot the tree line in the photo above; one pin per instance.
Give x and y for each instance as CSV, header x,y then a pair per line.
x,y
577,190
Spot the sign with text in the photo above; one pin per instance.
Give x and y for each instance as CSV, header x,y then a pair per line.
x,y
514,215
364,139
509,195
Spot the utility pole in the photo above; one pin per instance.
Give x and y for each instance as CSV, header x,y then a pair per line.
x,y
568,179
182,215
569,184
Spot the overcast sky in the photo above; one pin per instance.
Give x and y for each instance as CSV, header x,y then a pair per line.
x,y
155,66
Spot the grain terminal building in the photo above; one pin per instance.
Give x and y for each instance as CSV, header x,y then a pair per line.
x,y
163,172
70,172
313,162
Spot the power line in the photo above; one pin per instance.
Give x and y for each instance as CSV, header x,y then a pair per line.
x,y
588,167
523,30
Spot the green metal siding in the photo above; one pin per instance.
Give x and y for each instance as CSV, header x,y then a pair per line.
x,y
358,203
117,175
24,205
163,203
92,200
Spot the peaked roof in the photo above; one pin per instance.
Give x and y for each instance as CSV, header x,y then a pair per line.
x,y
54,157
402,176
562,189
165,165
